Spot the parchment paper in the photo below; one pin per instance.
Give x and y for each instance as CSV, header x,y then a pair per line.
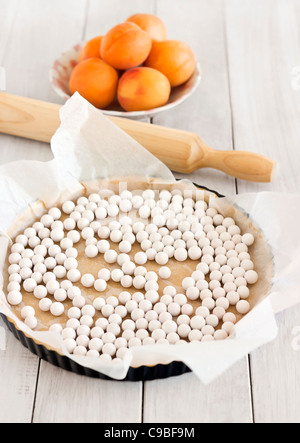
x,y
89,146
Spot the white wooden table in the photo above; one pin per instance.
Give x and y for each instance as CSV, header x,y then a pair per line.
x,y
249,99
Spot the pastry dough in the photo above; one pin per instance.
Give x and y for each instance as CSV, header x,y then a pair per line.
x,y
259,251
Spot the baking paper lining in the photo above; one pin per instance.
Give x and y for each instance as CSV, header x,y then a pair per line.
x,y
88,146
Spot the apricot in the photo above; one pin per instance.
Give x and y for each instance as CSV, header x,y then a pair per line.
x,y
96,81
150,23
142,89
91,49
126,46
173,58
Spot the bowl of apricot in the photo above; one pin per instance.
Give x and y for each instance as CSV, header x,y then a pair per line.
x,y
133,70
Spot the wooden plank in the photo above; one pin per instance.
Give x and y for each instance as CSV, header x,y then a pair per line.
x,y
63,397
14,148
266,112
185,399
265,105
275,373
104,15
29,45
209,114
18,373
7,15
34,43
88,399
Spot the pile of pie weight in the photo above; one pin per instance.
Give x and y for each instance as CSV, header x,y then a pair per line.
x,y
103,270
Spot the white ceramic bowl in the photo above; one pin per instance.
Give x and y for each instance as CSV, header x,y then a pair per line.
x,y
63,66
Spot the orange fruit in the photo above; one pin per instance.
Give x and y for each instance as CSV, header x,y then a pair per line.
x,y
96,81
143,89
126,46
150,23
174,58
91,49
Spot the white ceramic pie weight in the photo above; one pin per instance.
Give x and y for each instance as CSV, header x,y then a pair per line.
x,y
88,146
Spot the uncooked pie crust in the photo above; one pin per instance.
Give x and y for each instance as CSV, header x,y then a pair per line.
x,y
260,252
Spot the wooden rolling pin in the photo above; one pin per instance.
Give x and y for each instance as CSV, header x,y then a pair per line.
x,y
181,151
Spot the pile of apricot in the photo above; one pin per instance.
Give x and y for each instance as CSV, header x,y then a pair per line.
x,y
134,63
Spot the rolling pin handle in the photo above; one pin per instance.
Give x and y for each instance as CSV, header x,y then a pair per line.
x,y
242,165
